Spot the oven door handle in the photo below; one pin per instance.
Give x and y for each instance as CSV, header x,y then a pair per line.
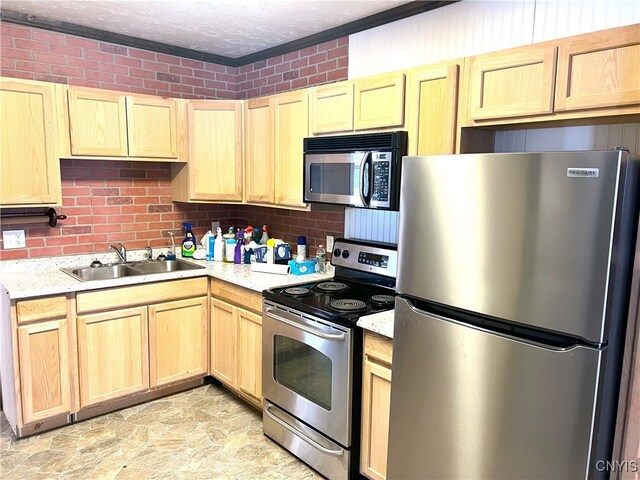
x,y
302,436
305,328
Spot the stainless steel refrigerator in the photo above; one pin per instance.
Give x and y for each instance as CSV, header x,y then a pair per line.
x,y
513,289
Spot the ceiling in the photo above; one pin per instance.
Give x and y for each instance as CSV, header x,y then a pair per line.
x,y
236,32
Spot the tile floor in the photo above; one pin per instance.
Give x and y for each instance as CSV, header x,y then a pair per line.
x,y
205,433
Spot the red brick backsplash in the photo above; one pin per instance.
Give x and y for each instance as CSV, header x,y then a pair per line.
x,y
113,201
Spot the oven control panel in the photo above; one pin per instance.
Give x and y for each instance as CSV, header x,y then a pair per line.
x,y
381,259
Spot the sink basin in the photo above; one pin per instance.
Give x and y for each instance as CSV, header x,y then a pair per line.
x,y
164,266
105,272
119,270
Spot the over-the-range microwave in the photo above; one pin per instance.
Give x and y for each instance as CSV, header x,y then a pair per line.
x,y
354,170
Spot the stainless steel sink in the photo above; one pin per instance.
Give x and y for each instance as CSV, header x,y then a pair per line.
x,y
105,272
119,270
164,266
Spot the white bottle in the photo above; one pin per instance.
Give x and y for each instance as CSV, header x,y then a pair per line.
x,y
218,247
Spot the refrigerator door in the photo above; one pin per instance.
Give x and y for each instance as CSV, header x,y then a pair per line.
x,y
470,404
525,237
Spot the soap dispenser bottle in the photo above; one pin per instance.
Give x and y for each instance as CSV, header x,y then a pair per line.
x,y
189,242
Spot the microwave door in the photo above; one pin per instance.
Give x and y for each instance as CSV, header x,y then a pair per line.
x,y
336,178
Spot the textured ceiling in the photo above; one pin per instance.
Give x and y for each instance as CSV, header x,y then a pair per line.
x,y
228,28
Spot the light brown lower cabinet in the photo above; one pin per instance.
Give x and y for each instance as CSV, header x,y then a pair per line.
x,y
177,340
236,340
376,397
44,370
113,355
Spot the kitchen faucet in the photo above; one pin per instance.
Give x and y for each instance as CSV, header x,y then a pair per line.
x,y
122,252
149,253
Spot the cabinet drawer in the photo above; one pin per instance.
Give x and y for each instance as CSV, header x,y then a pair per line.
x,y
41,308
111,298
378,347
241,296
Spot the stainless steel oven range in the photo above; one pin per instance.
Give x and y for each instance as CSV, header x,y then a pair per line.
x,y
312,356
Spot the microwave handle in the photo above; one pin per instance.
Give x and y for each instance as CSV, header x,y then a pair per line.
x,y
366,179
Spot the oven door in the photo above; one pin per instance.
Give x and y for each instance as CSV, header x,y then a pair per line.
x,y
308,369
339,178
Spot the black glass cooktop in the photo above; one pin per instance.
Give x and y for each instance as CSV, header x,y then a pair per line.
x,y
338,300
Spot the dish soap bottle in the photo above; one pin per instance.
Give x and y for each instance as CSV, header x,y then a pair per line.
x,y
189,242
218,247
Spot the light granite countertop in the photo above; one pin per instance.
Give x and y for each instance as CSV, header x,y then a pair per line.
x,y
42,276
381,323
28,278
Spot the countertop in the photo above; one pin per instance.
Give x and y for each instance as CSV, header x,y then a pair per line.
x,y
381,323
28,278
42,276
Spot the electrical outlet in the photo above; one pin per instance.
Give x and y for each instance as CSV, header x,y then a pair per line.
x,y
214,226
329,243
13,239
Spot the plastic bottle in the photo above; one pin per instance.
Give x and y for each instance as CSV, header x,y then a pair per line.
x,y
229,245
265,235
302,249
189,242
238,253
321,255
211,244
218,247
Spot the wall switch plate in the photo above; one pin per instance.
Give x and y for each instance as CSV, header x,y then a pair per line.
x,y
329,246
13,239
214,226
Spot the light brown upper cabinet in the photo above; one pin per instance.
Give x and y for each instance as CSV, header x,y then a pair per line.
x,y
379,101
584,76
362,104
513,83
291,118
104,123
431,109
214,170
30,146
331,108
599,70
259,154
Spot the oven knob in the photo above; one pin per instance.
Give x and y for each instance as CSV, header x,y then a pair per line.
x,y
345,254
336,252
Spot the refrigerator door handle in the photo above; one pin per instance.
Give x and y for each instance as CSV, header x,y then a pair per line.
x,y
514,338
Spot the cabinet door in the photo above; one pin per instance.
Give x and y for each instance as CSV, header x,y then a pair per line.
x,y
259,154
44,370
379,101
152,127
512,83
215,150
97,123
113,354
224,327
432,94
376,402
250,355
599,70
177,340
30,165
291,127
331,108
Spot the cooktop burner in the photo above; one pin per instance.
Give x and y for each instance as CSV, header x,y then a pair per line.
x,y
297,291
333,287
349,305
383,299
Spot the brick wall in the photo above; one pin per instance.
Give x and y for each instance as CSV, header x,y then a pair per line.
x,y
113,201
37,54
323,63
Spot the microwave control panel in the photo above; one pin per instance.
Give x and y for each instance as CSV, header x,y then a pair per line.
x,y
381,177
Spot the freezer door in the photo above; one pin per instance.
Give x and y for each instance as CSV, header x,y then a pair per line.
x,y
525,237
471,404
